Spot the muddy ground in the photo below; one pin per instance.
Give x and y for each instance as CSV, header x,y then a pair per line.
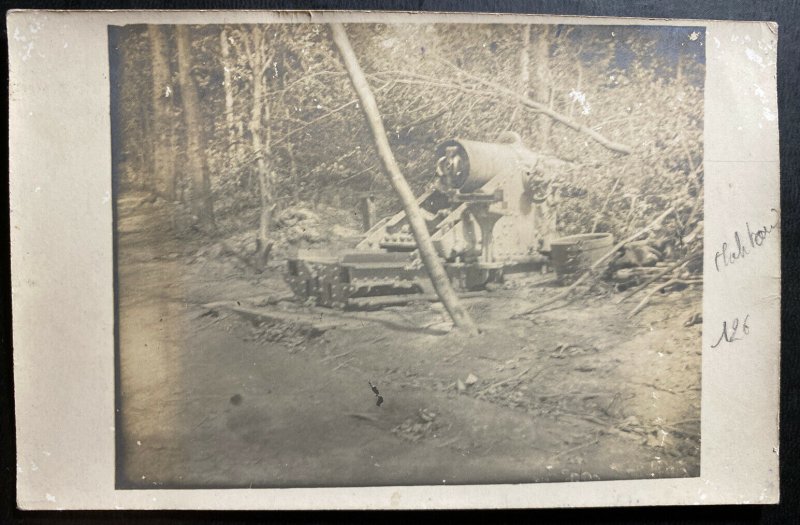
x,y
225,382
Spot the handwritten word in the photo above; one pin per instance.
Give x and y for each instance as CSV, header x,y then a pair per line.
x,y
729,334
742,246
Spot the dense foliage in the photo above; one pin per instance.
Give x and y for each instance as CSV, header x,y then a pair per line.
x,y
281,126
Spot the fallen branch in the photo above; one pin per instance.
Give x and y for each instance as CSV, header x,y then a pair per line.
x,y
340,365
337,356
579,447
590,419
684,421
574,394
504,381
629,219
596,264
545,110
671,282
623,275
698,201
666,271
687,282
451,441
496,89
365,417
253,300
427,119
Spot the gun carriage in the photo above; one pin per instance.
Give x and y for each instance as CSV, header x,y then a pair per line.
x,y
488,214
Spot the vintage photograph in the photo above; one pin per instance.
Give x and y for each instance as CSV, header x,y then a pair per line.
x,y
366,254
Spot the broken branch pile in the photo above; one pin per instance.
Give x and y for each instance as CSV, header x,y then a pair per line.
x,y
639,264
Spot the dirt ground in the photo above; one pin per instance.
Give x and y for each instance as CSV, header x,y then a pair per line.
x,y
214,394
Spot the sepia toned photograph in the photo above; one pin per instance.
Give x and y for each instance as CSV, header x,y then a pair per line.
x,y
365,254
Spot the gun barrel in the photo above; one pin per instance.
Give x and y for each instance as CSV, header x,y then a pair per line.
x,y
467,165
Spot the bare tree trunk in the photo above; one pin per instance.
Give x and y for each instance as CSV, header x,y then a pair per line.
x,y
174,139
430,258
263,242
524,69
524,61
140,169
163,180
259,127
294,175
230,124
196,157
146,152
542,82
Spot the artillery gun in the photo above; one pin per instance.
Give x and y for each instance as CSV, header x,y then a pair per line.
x,y
488,214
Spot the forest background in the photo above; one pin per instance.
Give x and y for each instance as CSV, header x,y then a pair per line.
x,y
252,132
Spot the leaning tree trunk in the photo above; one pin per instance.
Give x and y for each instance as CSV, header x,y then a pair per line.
x,y
196,158
163,178
433,265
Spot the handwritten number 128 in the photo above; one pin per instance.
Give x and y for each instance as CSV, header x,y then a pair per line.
x,y
729,333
